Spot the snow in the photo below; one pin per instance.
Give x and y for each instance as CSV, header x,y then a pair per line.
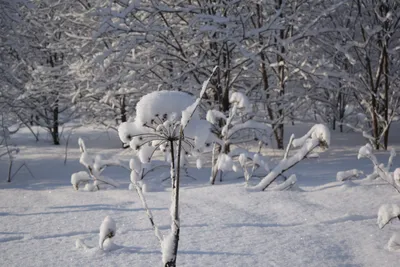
x,y
364,151
159,105
214,115
241,100
318,131
79,177
349,174
108,228
396,176
394,243
224,163
386,213
167,247
135,164
326,223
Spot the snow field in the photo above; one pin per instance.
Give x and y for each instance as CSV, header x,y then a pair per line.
x,y
325,223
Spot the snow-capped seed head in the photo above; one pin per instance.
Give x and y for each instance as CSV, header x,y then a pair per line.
x,y
107,230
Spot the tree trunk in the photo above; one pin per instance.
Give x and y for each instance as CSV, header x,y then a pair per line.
x,y
54,130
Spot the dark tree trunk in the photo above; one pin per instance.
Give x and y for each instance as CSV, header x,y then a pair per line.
x,y
54,130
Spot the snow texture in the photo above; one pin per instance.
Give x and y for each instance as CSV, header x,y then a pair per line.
x,y
396,176
224,162
167,248
318,131
286,185
241,101
135,164
222,225
108,229
160,105
394,243
386,213
285,164
213,116
349,174
78,178
365,151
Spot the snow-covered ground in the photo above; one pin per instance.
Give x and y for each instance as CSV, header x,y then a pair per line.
x,y
325,223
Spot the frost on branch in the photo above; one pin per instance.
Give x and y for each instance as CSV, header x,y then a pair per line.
x,y
379,169
236,127
318,136
318,131
95,166
108,229
348,175
387,213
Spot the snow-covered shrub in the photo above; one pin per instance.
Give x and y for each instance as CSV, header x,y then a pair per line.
x,y
318,136
95,164
380,170
386,214
236,127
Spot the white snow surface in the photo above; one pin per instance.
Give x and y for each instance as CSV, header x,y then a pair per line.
x,y
326,223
